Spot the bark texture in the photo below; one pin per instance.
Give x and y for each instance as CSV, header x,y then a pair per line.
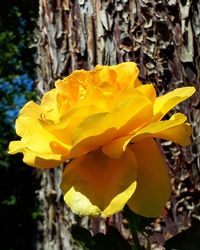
x,y
163,38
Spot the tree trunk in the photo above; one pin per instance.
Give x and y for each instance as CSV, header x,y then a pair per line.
x,y
163,38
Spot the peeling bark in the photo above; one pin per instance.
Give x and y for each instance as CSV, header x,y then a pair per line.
x,y
163,38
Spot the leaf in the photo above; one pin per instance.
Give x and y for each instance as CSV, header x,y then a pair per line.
x,y
113,240
10,201
102,242
83,237
186,240
118,241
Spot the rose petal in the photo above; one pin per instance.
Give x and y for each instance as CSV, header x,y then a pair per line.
x,y
174,130
153,184
127,73
39,160
168,101
102,128
117,147
148,90
34,136
97,180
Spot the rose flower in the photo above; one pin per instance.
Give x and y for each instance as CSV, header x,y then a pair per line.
x,y
105,122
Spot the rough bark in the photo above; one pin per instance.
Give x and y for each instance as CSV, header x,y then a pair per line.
x,y
163,37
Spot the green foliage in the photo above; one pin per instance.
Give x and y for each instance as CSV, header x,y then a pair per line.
x,y
112,240
102,242
8,54
17,185
37,215
118,241
17,21
186,240
10,201
83,237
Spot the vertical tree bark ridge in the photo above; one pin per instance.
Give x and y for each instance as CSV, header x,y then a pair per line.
x,y
163,37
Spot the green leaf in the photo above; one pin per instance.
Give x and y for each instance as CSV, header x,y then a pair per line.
x,y
83,237
10,201
36,215
117,239
113,240
102,242
186,240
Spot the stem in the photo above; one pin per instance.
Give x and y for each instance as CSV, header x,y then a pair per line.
x,y
133,228
134,233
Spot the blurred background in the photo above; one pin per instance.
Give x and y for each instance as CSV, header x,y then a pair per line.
x,y
18,213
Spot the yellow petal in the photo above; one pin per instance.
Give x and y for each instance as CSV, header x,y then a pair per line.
x,y
117,147
153,184
35,137
74,85
31,159
168,101
49,105
34,160
15,147
88,137
127,73
148,90
118,202
80,204
102,128
93,97
104,77
179,134
68,122
97,181
30,109
85,208
174,130
28,127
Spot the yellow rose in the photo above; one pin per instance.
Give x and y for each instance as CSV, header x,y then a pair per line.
x,y
105,121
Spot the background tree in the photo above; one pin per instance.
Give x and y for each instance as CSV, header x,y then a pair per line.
x,y
163,38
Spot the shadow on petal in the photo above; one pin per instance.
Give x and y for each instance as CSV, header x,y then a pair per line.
x,y
153,184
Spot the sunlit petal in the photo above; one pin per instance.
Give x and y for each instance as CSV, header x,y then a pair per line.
x,y
35,137
73,86
127,74
31,110
85,208
148,90
179,134
100,179
49,105
49,161
168,101
173,129
102,128
15,147
35,160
